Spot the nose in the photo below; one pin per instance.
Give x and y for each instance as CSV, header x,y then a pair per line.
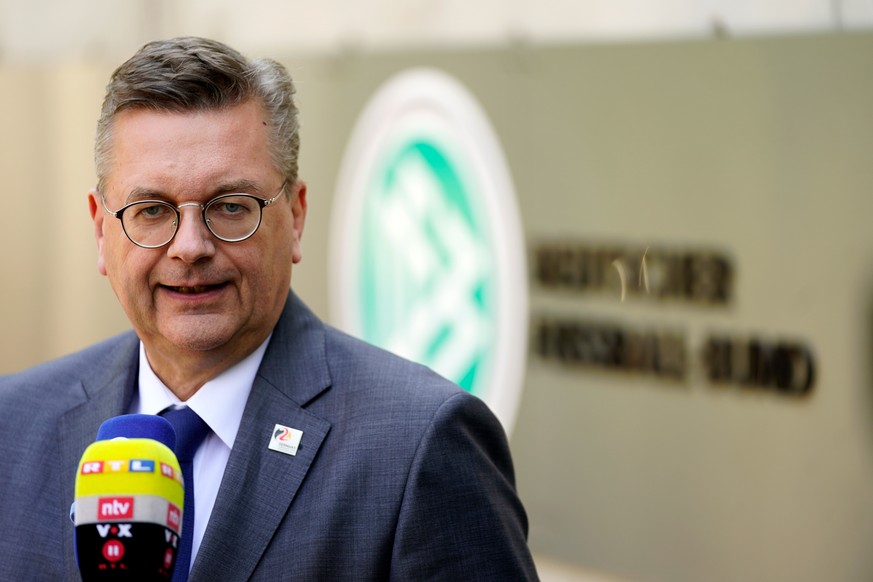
x,y
193,241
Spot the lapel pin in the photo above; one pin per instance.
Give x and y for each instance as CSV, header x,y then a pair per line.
x,y
285,439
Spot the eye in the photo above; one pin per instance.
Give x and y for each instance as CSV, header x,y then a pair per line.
x,y
231,208
149,211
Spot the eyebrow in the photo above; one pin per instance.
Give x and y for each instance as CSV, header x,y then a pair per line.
x,y
242,185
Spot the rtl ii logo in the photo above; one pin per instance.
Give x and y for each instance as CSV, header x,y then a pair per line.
x,y
113,551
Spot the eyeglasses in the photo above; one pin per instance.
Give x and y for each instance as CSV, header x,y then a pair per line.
x,y
152,224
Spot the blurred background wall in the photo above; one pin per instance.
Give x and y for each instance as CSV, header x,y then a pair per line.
x,y
685,127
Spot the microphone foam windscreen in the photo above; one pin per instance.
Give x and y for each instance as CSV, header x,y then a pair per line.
x,y
139,426
129,501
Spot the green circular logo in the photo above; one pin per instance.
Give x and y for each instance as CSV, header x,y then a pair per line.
x,y
427,280
426,254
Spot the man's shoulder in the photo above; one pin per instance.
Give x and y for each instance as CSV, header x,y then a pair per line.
x,y
337,375
379,397
60,371
353,360
303,338
381,386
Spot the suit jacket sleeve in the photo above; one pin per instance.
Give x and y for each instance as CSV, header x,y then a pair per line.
x,y
460,517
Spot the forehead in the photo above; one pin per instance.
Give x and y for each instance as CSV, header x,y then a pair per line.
x,y
189,150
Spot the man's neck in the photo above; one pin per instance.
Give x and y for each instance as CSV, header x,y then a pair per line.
x,y
184,372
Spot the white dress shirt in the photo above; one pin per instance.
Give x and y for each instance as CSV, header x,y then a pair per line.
x,y
220,403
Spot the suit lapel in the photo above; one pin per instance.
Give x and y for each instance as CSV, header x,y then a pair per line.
x,y
259,484
258,487
103,393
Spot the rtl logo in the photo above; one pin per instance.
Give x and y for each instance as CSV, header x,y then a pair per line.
x,y
115,467
115,508
92,467
142,466
167,471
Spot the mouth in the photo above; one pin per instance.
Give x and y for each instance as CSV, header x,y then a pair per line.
x,y
193,289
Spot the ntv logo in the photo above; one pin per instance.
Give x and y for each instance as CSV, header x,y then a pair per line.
x,y
426,245
115,508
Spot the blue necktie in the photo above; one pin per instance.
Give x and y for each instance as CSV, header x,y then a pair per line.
x,y
190,432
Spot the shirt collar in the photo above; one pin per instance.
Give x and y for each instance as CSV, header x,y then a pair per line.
x,y
220,402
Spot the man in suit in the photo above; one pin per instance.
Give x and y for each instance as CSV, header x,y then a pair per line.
x,y
198,216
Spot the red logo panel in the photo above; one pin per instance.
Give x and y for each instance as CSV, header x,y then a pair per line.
x,y
114,508
174,517
113,550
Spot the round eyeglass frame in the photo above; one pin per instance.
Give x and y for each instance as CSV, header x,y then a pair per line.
x,y
262,203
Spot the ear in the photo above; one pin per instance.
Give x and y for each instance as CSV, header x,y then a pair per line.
x,y
298,210
97,216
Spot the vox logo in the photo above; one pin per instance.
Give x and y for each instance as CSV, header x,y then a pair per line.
x,y
121,530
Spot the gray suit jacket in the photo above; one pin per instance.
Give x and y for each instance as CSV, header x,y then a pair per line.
x,y
399,474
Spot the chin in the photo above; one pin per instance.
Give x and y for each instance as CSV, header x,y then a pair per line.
x,y
190,343
201,337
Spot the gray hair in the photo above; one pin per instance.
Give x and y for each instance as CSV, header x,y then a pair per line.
x,y
196,74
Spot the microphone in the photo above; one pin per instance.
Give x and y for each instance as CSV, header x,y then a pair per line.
x,y
129,499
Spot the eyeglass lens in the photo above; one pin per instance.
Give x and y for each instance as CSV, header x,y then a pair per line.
x,y
230,218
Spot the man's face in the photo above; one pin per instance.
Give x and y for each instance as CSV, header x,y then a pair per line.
x,y
198,293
